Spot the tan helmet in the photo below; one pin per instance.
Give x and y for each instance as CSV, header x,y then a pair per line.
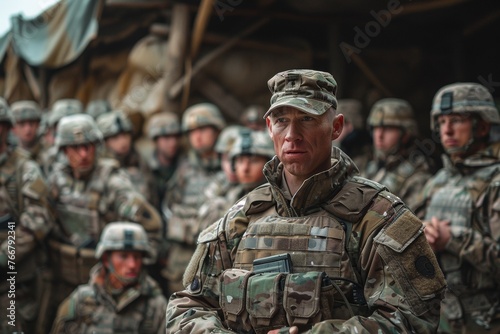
x,y
393,112
163,124
64,107
253,143
76,130
125,236
112,123
202,114
227,137
352,111
96,108
464,97
26,110
5,112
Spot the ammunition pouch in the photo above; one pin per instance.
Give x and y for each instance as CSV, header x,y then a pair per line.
x,y
71,264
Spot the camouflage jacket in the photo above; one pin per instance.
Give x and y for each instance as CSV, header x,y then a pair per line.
x,y
92,309
467,193
351,228
24,214
404,174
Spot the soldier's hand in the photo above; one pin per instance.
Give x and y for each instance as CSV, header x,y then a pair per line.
x,y
431,230
285,330
438,233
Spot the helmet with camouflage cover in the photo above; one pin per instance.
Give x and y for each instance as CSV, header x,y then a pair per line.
x,y
76,130
352,111
96,108
113,123
253,116
227,138
202,114
163,124
64,107
252,143
124,236
393,112
26,110
464,97
5,112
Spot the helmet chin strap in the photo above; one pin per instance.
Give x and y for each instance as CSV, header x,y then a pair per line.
x,y
125,280
464,149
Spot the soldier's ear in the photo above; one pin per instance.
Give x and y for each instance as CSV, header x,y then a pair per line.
x,y
269,127
338,125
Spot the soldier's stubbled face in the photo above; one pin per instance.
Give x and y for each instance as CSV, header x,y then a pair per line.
x,y
80,157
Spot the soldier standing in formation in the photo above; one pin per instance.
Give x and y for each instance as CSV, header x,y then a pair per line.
x,y
461,208
24,224
351,256
120,297
397,164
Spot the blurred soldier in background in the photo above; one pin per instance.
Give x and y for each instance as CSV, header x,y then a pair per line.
x,y
24,224
318,249
253,118
116,130
27,116
202,123
355,140
461,208
398,164
96,108
120,297
87,193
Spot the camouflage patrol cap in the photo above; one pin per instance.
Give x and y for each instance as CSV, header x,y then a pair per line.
x,y
76,130
393,112
351,109
125,236
113,123
163,124
227,138
252,143
202,114
5,112
26,110
464,97
64,107
96,108
313,92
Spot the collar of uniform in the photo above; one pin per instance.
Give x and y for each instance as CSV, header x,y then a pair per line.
x,y
484,158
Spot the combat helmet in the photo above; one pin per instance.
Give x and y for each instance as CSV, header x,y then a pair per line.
x,y
126,236
252,143
26,110
5,112
393,112
253,116
76,130
464,97
202,114
352,111
113,123
227,138
163,124
64,107
96,108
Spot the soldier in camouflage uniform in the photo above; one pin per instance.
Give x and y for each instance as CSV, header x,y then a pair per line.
x,y
87,193
355,140
348,255
116,130
24,225
398,163
461,208
202,123
27,116
120,297
96,108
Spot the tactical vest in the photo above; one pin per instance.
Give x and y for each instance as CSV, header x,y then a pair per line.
x,y
82,214
393,179
459,199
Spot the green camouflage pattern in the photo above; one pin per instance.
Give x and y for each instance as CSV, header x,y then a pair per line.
x,y
123,236
202,114
464,97
26,110
467,193
382,247
113,123
313,92
5,112
163,124
352,111
76,130
393,112
61,108
96,108
252,143
92,309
